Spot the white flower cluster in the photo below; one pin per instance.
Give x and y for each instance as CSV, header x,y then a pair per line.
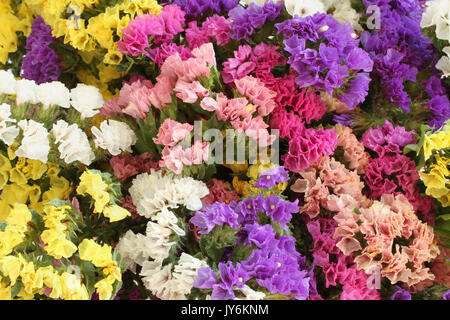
x,y
341,9
73,143
114,136
8,133
437,13
168,285
35,144
154,194
85,99
155,191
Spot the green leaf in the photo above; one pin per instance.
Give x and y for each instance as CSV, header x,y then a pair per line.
x,y
16,288
3,225
89,271
59,203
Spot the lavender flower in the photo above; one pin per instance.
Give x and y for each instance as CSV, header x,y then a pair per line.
x,y
206,278
280,211
270,178
245,21
230,276
446,295
401,294
213,215
195,8
439,104
40,63
345,119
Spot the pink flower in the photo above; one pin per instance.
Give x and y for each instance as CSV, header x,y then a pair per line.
x,y
162,52
238,67
190,92
134,99
196,36
172,132
218,27
219,192
258,94
176,158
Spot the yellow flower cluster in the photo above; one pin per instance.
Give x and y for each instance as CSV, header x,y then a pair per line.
x,y
246,189
34,280
436,177
18,183
92,184
437,180
12,22
57,245
16,227
101,257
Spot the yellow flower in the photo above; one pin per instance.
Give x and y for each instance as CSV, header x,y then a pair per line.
x,y
10,266
108,73
100,256
93,184
437,179
9,240
113,56
60,247
238,167
104,289
115,213
436,141
5,291
112,272
18,218
59,189
28,277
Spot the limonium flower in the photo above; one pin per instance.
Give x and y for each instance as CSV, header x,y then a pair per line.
x,y
270,178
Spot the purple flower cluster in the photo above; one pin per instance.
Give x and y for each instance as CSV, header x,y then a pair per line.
x,y
387,139
401,294
398,47
439,104
237,214
245,21
326,55
270,178
40,63
345,119
195,8
275,265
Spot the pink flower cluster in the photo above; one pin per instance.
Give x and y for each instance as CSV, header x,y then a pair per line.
x,y
387,139
176,76
390,237
394,175
354,152
323,180
162,28
259,62
174,157
306,145
219,192
126,165
215,27
240,111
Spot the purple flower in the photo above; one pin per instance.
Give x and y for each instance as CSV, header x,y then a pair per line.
x,y
270,178
206,278
195,8
439,104
248,209
260,236
345,119
245,21
40,63
280,211
401,294
217,214
446,295
230,276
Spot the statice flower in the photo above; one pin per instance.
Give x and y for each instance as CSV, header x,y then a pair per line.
x,y
245,21
230,277
270,178
401,294
214,28
40,63
213,215
446,295
387,139
326,55
344,119
439,103
398,47
195,8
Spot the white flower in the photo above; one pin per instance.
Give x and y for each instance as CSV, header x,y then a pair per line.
x,y
444,63
168,219
26,92
155,191
114,136
73,143
7,83
185,273
157,279
86,99
438,13
35,144
53,94
345,13
303,8
257,2
250,294
7,133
